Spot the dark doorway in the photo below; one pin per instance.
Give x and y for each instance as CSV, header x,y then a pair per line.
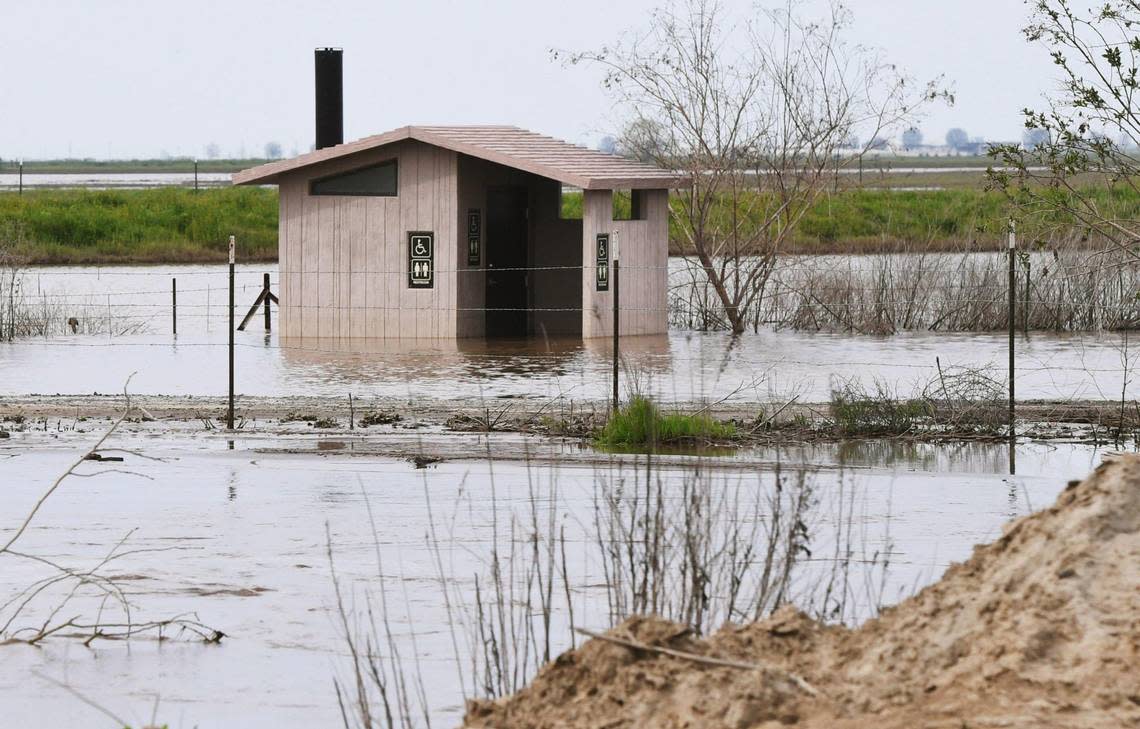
x,y
506,261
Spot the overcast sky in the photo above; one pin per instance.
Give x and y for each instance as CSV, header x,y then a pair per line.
x,y
118,78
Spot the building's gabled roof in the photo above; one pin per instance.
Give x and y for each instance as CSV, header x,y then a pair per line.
x,y
509,146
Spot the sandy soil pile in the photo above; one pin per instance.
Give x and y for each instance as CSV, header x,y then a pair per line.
x,y
1039,629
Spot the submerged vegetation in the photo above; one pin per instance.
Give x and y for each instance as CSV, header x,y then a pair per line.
x,y
1065,287
858,411
642,424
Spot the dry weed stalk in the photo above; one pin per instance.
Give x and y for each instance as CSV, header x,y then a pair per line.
x,y
1065,288
708,550
66,583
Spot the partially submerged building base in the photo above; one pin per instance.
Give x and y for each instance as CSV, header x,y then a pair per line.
x,y
455,232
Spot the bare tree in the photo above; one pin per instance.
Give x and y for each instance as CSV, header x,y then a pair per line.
x,y
755,111
1089,129
957,139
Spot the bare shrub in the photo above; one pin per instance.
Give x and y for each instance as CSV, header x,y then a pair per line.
x,y
1063,287
51,596
760,112
967,399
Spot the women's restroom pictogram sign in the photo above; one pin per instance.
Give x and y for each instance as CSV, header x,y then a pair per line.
x,y
421,259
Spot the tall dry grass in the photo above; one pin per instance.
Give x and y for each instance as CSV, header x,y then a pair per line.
x,y
1067,288
25,313
717,547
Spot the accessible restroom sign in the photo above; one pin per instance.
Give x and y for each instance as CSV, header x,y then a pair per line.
x,y
421,259
602,261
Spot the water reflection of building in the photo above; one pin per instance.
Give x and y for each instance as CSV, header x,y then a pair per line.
x,y
468,360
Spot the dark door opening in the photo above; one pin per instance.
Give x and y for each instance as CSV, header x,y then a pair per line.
x,y
506,258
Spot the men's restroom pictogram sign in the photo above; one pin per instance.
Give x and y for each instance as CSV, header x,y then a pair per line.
x,y
421,259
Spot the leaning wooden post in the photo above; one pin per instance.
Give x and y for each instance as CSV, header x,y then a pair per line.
x,y
230,411
174,305
616,278
1012,326
265,293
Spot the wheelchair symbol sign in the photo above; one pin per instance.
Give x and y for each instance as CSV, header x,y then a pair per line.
x,y
421,259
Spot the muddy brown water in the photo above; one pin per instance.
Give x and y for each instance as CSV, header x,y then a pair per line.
x,y
681,366
246,519
242,526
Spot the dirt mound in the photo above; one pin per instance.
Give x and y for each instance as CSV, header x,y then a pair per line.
x,y
1039,629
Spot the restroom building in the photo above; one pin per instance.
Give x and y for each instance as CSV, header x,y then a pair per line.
x,y
458,231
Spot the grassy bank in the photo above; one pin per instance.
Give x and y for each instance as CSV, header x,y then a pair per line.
x,y
893,220
872,220
167,225
178,225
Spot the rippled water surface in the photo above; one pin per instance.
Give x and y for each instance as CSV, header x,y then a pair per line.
x,y
239,540
111,180
682,365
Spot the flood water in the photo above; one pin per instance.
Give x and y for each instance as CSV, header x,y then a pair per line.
x,y
112,180
681,366
241,530
236,531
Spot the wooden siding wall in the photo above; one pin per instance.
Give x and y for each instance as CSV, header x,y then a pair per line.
x,y
644,252
551,241
343,259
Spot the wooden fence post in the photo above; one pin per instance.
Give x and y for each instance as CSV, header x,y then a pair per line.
x,y
265,299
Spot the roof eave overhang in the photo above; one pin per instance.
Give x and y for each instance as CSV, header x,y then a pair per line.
x,y
271,172
635,183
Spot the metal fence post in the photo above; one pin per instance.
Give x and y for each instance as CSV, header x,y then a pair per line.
x,y
1012,326
174,305
616,280
195,174
21,175
230,411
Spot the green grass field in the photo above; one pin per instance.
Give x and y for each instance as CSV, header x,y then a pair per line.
x,y
170,225
166,225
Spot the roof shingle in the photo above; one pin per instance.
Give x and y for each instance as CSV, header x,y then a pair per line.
x,y
505,145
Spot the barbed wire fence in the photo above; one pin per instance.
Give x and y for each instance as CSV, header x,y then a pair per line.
x,y
875,297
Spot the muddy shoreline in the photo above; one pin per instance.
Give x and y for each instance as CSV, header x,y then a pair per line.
x,y
1091,421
